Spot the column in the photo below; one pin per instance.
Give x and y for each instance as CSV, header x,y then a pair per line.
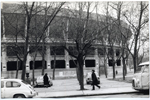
x,y
3,50
48,57
67,59
4,58
96,60
84,64
28,62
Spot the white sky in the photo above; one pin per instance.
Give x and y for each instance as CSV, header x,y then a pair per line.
x,y
101,11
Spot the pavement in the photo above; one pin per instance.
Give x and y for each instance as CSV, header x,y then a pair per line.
x,y
64,88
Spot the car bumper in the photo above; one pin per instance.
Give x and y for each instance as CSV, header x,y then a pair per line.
x,y
136,84
33,94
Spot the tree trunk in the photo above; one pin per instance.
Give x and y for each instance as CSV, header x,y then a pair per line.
x,y
24,69
43,64
124,68
17,69
105,67
54,65
81,73
135,62
33,66
114,72
43,57
33,71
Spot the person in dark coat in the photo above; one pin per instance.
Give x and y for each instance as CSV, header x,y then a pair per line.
x,y
46,80
94,80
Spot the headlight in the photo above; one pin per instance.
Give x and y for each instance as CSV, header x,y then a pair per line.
x,y
138,83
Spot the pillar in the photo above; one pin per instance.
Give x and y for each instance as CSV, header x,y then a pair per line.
x,y
67,59
28,62
96,60
3,48
48,57
4,62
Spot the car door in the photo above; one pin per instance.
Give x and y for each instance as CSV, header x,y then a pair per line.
x,y
145,77
12,88
2,90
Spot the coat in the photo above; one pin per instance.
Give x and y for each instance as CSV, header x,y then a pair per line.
x,y
94,79
46,80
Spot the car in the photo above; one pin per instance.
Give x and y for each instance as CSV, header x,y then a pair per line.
x,y
140,80
16,88
89,79
40,81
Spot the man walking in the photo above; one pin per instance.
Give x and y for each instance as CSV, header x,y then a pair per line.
x,y
94,80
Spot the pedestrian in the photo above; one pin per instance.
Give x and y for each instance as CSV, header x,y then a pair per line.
x,y
94,80
46,80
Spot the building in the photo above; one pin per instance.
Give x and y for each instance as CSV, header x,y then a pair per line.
x,y
13,32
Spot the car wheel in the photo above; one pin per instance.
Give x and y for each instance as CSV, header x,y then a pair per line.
x,y
19,96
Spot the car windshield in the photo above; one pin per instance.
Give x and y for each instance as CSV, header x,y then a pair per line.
x,y
24,82
140,68
145,69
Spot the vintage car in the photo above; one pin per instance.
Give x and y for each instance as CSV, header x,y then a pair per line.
x,y
140,80
89,79
16,88
40,81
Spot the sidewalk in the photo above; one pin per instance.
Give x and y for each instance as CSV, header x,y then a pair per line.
x,y
78,93
70,88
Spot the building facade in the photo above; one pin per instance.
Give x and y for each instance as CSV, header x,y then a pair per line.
x,y
65,64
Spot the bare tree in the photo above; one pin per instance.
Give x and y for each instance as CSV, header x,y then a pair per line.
x,y
79,29
83,31
29,10
125,34
137,21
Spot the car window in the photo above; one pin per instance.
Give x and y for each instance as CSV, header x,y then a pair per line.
x,y
2,84
146,69
12,84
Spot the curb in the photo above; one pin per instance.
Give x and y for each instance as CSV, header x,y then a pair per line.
x,y
96,94
88,95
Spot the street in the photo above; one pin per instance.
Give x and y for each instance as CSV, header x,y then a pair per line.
x,y
131,95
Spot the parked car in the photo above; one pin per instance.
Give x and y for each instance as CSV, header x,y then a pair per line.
x,y
89,79
140,80
16,88
40,81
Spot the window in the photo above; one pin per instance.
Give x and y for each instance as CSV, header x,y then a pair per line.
x,y
91,51
90,63
2,84
59,64
38,48
12,65
110,52
12,84
101,51
73,63
38,65
58,50
117,52
110,62
12,50
73,50
118,62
